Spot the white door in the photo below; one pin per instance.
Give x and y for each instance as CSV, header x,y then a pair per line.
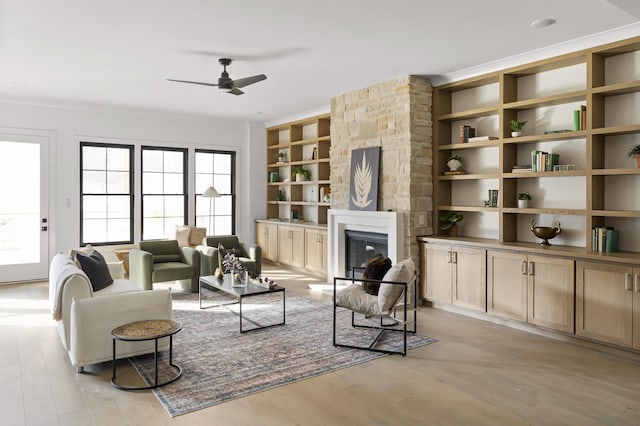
x,y
24,253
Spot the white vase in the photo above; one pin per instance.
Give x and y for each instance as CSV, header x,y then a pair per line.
x,y
300,177
516,134
523,204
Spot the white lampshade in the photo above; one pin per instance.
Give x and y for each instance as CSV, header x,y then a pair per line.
x,y
211,192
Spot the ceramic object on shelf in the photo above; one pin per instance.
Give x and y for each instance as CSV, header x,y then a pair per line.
x,y
516,134
545,232
454,164
523,204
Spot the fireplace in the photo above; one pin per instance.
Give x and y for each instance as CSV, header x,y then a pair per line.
x,y
360,247
387,223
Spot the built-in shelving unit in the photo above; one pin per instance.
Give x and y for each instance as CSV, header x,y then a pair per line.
x,y
304,143
601,191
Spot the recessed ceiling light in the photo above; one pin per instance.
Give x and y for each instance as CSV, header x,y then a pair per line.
x,y
541,23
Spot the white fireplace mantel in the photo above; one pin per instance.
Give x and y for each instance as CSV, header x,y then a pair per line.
x,y
389,223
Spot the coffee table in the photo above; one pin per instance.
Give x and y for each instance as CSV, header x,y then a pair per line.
x,y
240,293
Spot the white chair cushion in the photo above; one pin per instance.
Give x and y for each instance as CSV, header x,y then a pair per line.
x,y
388,294
356,299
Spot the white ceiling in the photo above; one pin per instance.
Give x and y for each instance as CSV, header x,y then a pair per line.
x,y
118,53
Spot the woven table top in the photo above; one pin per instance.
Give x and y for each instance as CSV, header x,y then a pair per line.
x,y
147,329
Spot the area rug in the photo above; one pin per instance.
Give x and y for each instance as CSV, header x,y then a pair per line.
x,y
220,364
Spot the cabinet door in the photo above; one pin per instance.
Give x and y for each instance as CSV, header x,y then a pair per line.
x,y
315,250
636,308
285,245
267,239
604,302
507,284
297,247
437,273
469,278
550,293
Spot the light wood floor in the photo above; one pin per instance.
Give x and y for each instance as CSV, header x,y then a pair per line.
x,y
477,374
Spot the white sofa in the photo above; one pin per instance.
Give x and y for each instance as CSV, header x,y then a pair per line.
x,y
85,318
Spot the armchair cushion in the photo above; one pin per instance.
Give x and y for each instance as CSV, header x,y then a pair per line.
x,y
96,269
196,235
250,255
388,294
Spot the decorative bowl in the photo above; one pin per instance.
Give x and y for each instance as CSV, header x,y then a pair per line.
x,y
545,232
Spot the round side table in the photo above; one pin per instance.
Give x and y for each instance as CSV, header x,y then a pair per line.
x,y
147,330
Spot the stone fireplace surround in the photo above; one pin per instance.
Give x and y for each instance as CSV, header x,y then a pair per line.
x,y
389,223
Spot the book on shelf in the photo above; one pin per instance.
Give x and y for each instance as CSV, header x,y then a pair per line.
x,y
542,161
524,168
466,132
605,239
580,118
482,138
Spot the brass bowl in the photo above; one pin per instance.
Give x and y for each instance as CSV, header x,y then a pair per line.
x,y
545,232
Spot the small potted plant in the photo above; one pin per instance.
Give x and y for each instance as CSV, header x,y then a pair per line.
x,y
449,222
455,163
281,157
634,152
523,200
301,174
516,128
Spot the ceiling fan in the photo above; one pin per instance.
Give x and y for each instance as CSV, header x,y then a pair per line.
x,y
226,83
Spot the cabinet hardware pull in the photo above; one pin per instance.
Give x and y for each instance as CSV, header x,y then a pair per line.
x,y
448,257
531,268
637,283
455,257
524,267
627,282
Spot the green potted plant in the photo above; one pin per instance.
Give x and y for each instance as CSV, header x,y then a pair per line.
x,y
516,128
634,152
449,222
281,157
523,200
301,174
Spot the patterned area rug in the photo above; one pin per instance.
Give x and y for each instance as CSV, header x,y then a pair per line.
x,y
220,364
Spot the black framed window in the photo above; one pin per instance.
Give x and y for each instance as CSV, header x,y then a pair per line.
x,y
217,169
164,191
106,191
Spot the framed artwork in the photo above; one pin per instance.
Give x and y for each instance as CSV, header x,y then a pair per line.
x,y
365,167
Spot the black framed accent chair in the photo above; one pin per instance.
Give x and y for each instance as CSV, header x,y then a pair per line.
x,y
384,312
250,255
164,260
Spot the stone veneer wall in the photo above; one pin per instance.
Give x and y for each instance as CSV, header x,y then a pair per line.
x,y
395,115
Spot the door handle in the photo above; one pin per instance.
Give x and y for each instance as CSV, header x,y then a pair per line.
x,y
448,257
524,267
627,282
636,283
531,269
455,257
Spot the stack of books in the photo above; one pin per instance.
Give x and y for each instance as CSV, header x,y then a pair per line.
x,y
605,239
543,161
580,118
524,168
466,132
482,138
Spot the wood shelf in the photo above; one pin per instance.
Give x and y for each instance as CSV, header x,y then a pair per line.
x,y
471,176
545,101
617,89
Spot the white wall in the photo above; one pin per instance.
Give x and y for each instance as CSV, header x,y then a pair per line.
x,y
67,125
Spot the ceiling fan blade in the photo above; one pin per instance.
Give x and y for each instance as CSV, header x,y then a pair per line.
x,y
194,82
242,82
235,91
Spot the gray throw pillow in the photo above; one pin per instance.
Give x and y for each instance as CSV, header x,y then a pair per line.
x,y
96,269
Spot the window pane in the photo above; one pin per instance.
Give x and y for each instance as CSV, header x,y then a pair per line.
x,y
153,229
94,230
94,158
203,182
153,206
118,229
222,225
222,163
173,161
117,159
117,182
152,160
152,183
222,183
174,207
94,182
94,207
204,162
202,205
118,208
173,183
222,205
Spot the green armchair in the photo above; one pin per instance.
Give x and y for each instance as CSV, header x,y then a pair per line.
x,y
250,255
163,260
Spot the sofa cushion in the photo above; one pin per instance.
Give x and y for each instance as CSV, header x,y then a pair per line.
x,y
197,235
377,266
171,271
96,269
355,298
163,258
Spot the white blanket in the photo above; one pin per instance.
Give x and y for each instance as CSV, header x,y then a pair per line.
x,y
61,272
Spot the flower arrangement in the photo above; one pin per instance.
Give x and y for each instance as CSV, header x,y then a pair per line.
x,y
233,265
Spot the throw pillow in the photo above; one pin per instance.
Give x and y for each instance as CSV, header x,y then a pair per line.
x,y
182,235
388,294
377,266
86,250
197,235
96,269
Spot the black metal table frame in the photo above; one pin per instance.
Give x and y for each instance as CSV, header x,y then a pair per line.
x,y
239,301
155,361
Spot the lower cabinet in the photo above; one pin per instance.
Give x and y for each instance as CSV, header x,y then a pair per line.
x,y
608,303
315,250
267,239
535,289
454,274
291,246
